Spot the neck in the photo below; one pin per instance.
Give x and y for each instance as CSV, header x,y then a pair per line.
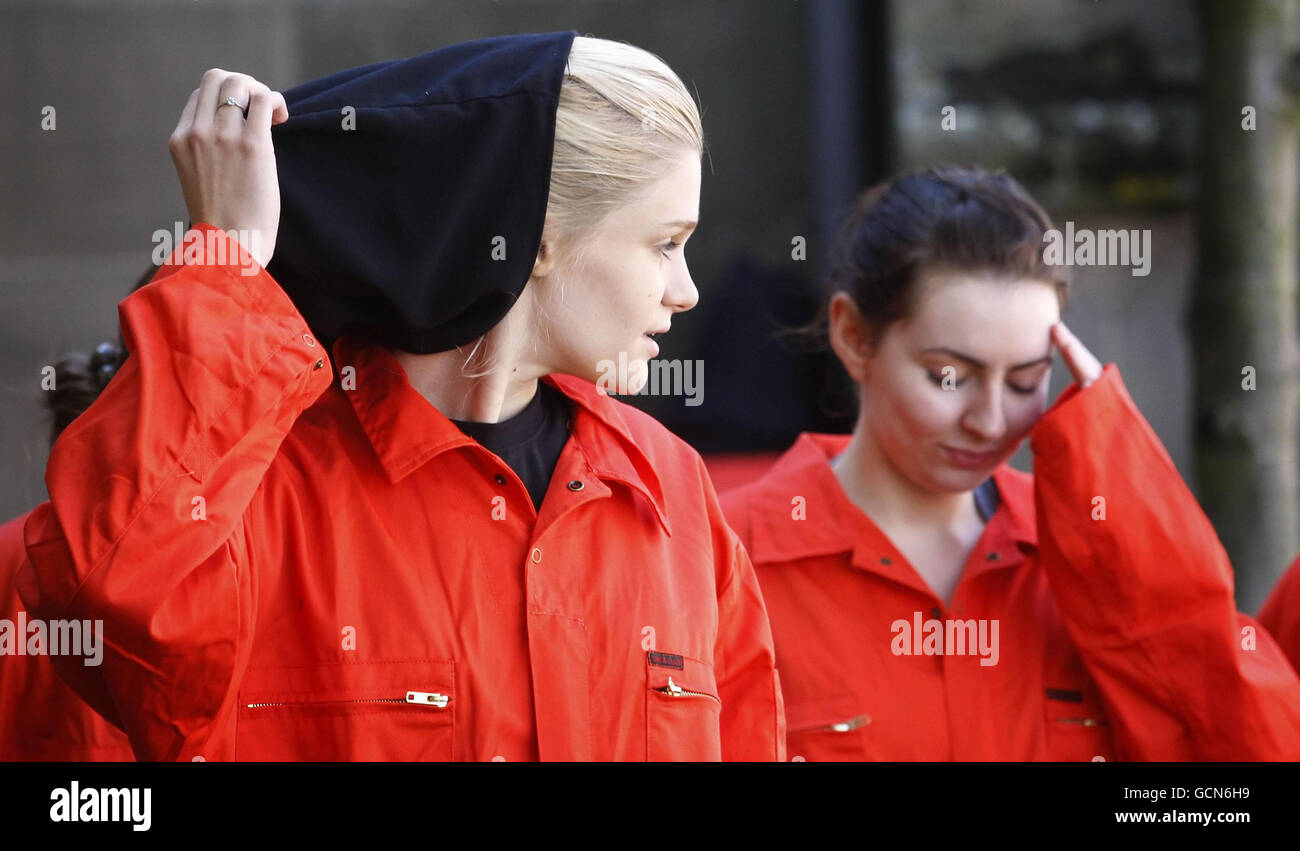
x,y
887,496
507,349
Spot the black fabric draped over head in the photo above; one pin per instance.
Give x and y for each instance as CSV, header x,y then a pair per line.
x,y
413,191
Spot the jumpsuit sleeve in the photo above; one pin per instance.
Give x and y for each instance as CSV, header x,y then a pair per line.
x,y
146,527
1280,614
753,713
1146,591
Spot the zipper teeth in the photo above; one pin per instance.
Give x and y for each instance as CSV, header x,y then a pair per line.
x,y
314,702
686,691
440,705
674,690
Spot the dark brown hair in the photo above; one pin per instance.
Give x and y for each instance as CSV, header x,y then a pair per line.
x,y
953,217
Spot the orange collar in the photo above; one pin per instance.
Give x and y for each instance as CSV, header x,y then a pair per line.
x,y
834,524
406,431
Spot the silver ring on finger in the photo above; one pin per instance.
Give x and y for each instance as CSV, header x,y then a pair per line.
x,y
231,102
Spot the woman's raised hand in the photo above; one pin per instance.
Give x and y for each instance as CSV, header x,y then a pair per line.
x,y
1085,367
226,162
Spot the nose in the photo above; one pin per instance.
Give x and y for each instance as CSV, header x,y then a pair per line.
x,y
681,294
984,418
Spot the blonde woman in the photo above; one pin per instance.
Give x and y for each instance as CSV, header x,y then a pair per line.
x,y
450,545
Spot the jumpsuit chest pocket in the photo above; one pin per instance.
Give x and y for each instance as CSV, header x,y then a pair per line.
x,y
1077,727
683,711
364,711
830,729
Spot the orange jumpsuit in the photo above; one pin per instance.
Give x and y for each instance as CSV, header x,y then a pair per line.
x,y
296,566
1280,614
1116,635
41,719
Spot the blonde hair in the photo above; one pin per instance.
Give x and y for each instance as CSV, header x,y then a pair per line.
x,y
622,116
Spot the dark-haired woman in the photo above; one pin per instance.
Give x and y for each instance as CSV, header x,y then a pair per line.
x,y
929,602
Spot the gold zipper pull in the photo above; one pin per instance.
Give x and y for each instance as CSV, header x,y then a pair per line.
x,y
674,689
427,698
847,726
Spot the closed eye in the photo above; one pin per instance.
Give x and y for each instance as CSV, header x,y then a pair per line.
x,y
938,380
1037,378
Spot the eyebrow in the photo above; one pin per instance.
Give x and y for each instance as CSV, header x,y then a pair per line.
x,y
980,364
685,225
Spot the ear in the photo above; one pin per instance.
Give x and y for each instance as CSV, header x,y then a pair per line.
x,y
850,336
545,261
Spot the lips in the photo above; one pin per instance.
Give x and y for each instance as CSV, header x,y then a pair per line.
x,y
650,336
970,460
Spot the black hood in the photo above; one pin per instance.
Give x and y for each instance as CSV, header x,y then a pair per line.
x,y
413,191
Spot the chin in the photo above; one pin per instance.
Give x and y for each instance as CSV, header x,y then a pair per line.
x,y
966,480
947,479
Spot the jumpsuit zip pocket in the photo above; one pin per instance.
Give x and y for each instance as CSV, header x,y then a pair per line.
x,y
1086,722
432,700
682,709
